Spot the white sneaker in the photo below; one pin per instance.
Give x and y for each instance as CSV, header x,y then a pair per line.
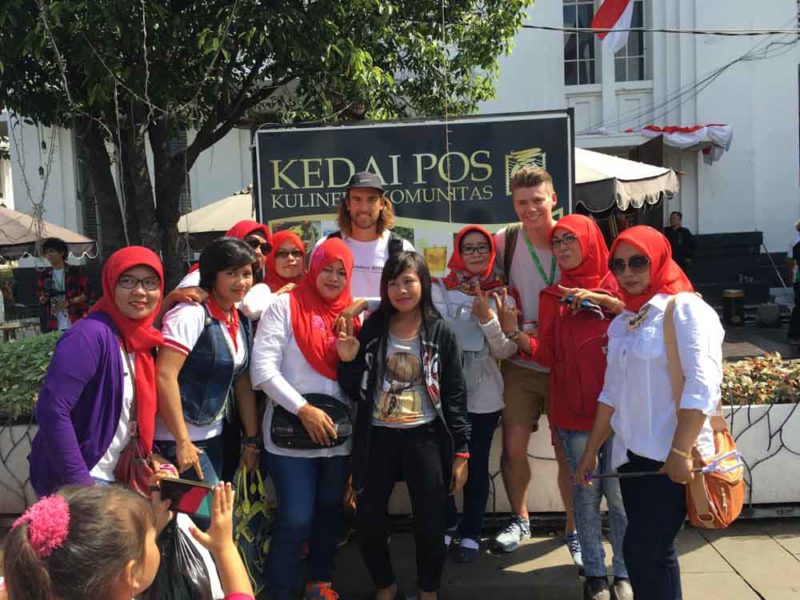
x,y
517,531
574,546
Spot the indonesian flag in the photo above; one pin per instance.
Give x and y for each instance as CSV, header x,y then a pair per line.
x,y
614,15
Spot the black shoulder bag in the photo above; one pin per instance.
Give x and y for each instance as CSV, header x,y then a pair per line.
x,y
288,432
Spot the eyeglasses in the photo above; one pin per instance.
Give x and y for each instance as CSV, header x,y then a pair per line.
x,y
567,240
476,249
298,254
637,264
256,244
129,282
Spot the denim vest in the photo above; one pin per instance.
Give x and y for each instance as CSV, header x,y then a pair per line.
x,y
207,376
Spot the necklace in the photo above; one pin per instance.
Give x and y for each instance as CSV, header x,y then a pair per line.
x,y
636,320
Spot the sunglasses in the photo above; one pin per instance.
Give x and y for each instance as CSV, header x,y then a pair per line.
x,y
257,244
298,254
567,240
637,264
129,282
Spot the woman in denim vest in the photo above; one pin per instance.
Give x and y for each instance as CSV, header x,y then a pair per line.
x,y
203,366
295,355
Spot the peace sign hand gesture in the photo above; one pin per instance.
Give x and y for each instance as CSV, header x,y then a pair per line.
x,y
507,312
347,345
481,308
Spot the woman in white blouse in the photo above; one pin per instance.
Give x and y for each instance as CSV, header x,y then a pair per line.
x,y
651,433
294,354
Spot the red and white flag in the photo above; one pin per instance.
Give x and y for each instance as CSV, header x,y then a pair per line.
x,y
615,15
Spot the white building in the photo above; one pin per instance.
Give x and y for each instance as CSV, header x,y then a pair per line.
x,y
749,83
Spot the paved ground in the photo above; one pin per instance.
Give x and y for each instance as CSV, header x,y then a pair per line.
x,y
750,561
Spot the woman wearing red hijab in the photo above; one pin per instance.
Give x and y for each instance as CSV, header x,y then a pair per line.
x,y
295,354
465,296
571,342
99,365
285,264
650,432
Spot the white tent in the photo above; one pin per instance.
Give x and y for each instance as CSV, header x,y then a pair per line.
x,y
218,216
603,180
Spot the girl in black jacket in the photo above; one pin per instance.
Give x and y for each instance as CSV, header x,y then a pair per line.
x,y
404,371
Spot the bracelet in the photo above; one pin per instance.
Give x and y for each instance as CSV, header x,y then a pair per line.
x,y
253,441
514,334
462,455
681,453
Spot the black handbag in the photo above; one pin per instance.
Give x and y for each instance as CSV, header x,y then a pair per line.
x,y
288,432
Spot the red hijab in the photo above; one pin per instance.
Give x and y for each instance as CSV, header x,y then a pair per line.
x,y
138,335
460,277
273,279
244,228
594,263
666,277
313,317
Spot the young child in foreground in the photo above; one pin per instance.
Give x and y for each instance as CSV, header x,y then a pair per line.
x,y
100,542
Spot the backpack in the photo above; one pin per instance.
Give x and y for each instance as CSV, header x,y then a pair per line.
x,y
395,241
512,231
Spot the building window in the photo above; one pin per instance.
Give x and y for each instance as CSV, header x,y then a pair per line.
x,y
629,62
579,48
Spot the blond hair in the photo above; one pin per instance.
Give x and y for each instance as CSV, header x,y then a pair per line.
x,y
530,176
385,220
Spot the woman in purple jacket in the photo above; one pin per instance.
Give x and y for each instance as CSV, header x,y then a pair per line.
x,y
83,410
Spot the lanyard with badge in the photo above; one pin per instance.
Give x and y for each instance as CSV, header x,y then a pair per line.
x,y
538,263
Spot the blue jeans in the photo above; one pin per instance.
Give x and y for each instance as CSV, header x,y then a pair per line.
x,y
586,502
309,494
210,459
476,490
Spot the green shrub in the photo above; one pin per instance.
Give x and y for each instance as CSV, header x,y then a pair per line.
x,y
23,364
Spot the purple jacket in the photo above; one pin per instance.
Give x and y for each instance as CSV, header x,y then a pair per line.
x,y
79,405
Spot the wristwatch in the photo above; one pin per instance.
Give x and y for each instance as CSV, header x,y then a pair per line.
x,y
252,441
514,334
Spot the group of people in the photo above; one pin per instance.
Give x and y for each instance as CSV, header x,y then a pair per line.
x,y
389,375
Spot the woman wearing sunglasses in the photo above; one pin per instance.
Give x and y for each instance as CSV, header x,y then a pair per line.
x,y
651,433
571,341
98,366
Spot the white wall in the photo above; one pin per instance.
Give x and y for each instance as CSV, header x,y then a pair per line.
x,y
223,169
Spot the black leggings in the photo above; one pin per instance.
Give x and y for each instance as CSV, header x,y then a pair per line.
x,y
419,452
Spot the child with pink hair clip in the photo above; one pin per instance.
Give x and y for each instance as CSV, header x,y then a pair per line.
x,y
100,542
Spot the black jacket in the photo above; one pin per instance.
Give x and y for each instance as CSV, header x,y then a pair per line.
x,y
444,379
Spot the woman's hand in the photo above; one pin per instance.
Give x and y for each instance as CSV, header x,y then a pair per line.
x,y
606,302
250,455
507,313
678,468
318,424
460,473
347,345
188,456
187,295
586,466
481,308
287,288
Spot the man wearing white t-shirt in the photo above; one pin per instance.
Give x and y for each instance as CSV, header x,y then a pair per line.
x,y
530,267
365,219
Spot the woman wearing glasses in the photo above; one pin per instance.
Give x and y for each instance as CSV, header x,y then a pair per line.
x,y
83,410
651,433
464,296
571,341
203,366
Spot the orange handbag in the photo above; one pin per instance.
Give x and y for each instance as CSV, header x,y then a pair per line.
x,y
715,497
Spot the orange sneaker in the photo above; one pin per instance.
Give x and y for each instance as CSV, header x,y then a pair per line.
x,y
320,590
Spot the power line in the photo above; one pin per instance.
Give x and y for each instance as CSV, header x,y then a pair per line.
x,y
718,32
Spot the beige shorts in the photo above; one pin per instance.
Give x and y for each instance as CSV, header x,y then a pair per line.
x,y
526,394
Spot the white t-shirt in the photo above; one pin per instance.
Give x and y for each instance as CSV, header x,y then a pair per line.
x,y
254,303
62,316
637,384
368,261
525,278
183,326
104,469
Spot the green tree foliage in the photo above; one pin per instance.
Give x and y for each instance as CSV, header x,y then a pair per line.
x,y
128,73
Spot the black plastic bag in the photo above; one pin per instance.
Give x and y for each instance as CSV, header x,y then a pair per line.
x,y
182,574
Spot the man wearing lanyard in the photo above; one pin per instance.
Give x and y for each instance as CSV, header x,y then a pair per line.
x,y
524,250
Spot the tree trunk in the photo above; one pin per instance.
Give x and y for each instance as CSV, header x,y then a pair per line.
x,y
112,228
140,209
